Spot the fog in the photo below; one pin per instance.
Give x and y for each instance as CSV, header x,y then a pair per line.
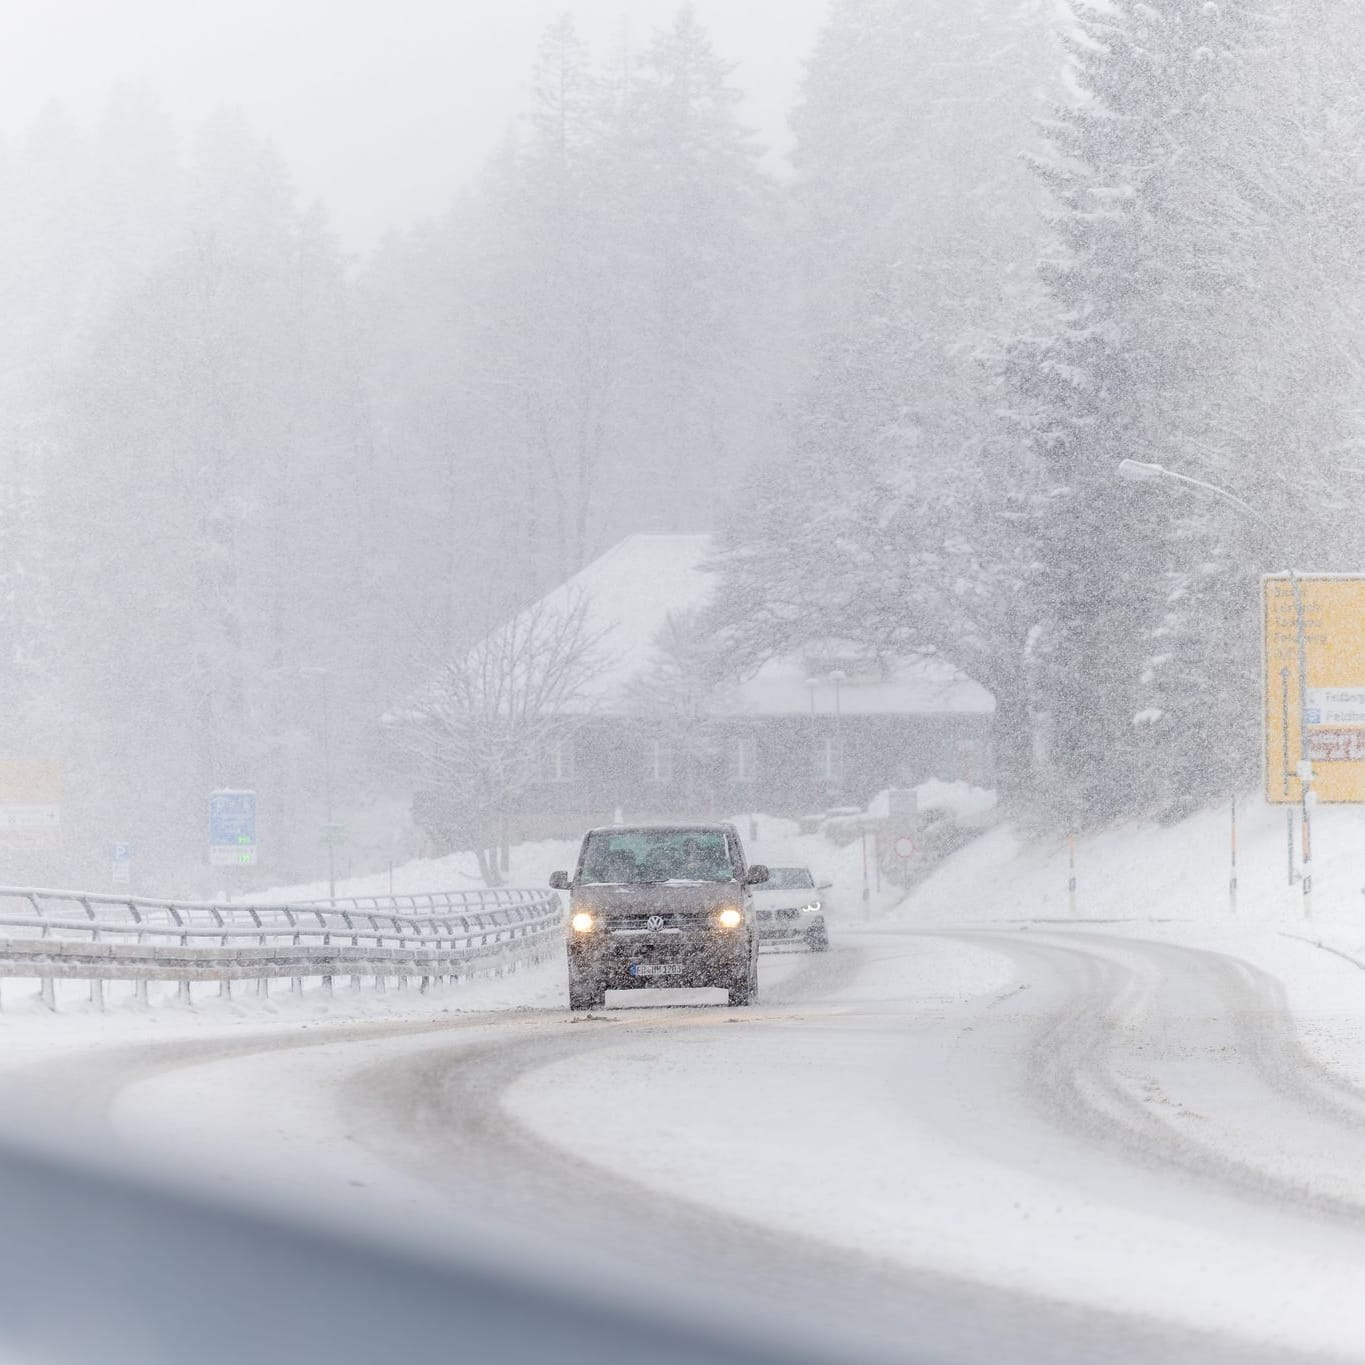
x,y
380,110
348,344
818,542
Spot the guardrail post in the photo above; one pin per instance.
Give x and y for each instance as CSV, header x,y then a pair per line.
x,y
140,992
327,984
296,985
97,993
183,993
47,993
263,987
225,988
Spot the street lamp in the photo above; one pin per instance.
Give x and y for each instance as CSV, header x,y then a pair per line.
x,y
330,827
813,683
838,677
1141,472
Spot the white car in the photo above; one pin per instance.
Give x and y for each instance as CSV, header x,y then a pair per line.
x,y
791,908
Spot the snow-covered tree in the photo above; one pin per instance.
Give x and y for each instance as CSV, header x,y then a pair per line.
x,y
894,514
705,345
1118,370
207,491
478,735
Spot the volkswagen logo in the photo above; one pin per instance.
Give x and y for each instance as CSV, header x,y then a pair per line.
x,y
655,922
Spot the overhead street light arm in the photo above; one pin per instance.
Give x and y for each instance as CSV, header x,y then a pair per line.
x,y
1140,471
1137,471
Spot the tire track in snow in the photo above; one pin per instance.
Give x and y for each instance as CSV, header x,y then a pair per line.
x,y
1180,1057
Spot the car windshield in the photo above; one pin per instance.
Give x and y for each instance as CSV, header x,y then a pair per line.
x,y
788,879
623,857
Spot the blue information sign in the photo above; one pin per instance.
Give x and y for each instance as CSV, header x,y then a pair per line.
x,y
232,828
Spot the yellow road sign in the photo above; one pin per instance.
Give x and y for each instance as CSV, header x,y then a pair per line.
x,y
30,803
30,782
1334,636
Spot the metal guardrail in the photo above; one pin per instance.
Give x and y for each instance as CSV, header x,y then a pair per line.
x,y
429,937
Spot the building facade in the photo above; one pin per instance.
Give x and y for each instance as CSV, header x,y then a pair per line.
x,y
825,728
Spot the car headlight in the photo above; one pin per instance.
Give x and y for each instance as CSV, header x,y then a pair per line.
x,y
730,918
582,922
811,908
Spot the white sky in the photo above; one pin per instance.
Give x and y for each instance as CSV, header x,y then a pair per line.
x,y
380,107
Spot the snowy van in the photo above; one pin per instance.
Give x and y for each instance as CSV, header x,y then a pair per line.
x,y
661,905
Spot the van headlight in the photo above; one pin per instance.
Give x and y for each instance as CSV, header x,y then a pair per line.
x,y
730,918
582,922
811,908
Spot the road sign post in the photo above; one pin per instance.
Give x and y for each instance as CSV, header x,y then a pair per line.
x,y
121,865
232,829
30,803
1313,681
904,847
1315,726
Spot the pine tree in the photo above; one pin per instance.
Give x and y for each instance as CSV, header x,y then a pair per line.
x,y
704,354
592,318
1133,291
208,488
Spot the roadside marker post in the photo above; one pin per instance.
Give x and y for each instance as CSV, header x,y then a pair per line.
x,y
867,895
1232,877
1071,872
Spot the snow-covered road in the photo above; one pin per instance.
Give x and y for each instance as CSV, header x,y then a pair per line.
x,y
1036,1144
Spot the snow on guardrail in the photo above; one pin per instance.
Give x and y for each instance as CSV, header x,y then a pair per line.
x,y
53,935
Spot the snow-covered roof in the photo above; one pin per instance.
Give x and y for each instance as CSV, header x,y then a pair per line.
x,y
630,592
788,686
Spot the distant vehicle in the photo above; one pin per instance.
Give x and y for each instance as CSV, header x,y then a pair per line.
x,y
655,905
791,907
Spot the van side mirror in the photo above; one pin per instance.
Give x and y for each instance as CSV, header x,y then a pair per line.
x,y
559,881
756,875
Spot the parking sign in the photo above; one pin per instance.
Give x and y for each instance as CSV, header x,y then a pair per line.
x,y
232,829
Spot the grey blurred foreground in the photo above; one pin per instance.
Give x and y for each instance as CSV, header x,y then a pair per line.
x,y
98,1265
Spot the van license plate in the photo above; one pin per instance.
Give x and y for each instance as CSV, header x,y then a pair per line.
x,y
656,969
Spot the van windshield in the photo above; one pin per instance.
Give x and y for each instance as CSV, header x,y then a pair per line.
x,y
635,856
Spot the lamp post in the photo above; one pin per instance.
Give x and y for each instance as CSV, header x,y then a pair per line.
x,y
838,677
330,827
813,683
1141,472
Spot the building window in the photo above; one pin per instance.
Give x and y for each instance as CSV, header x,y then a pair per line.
x,y
827,766
659,761
558,765
744,758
